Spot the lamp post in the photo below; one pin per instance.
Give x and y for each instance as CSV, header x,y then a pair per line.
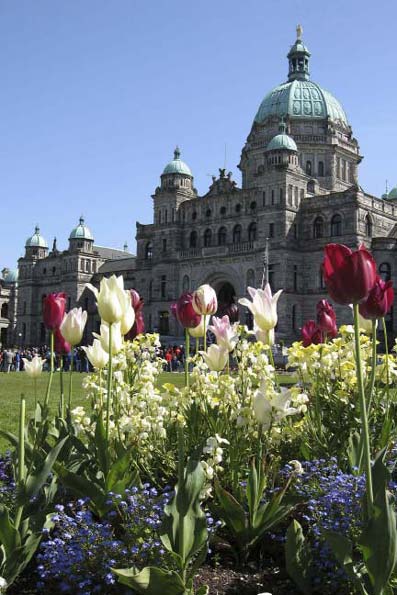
x,y
265,275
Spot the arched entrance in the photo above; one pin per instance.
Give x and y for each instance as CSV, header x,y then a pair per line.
x,y
226,297
227,285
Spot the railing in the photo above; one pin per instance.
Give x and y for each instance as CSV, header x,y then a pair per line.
x,y
241,247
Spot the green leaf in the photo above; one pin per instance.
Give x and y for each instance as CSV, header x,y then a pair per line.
x,y
378,541
83,488
231,511
203,590
298,558
119,473
102,447
355,450
9,536
151,581
252,490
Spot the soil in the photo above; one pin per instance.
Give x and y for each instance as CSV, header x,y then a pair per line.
x,y
226,581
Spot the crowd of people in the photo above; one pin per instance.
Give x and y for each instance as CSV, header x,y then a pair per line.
x,y
11,360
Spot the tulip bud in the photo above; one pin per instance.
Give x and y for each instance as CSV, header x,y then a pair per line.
x,y
326,319
263,306
73,324
97,355
226,334
117,338
128,318
54,310
265,337
311,334
205,300
379,301
185,312
111,299
215,357
61,345
198,331
33,368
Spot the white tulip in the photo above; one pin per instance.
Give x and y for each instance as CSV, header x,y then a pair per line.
x,y
198,331
269,406
263,306
204,300
226,334
215,357
97,355
117,338
265,337
72,326
111,298
33,368
128,317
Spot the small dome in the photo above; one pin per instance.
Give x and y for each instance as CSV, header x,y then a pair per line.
x,y
177,166
36,240
282,140
81,232
10,276
392,193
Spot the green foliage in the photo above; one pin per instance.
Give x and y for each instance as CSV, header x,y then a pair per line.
x,y
298,558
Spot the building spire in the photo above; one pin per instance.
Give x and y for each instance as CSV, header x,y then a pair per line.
x,y
298,58
299,31
177,153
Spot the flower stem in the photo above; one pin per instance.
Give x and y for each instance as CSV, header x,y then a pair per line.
x,y
205,332
373,367
109,391
386,365
363,413
181,469
70,379
62,398
35,393
21,458
187,356
47,396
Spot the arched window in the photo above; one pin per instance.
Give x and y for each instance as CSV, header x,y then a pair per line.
x,y
293,317
368,226
290,194
336,225
385,271
207,238
321,169
222,236
253,206
250,278
318,228
252,232
193,239
310,187
185,283
4,311
296,196
237,208
149,251
237,234
222,210
309,168
281,196
208,213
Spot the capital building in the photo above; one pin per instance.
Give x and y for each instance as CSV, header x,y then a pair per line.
x,y
299,191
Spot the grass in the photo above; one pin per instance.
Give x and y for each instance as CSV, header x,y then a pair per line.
x,y
14,384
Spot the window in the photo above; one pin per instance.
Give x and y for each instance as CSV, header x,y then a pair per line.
x,y
321,283
208,213
4,311
165,216
252,232
368,226
207,238
194,215
336,225
281,196
164,244
343,170
54,269
293,317
44,270
250,278
164,323
385,271
222,236
149,251
163,285
296,193
302,194
264,198
338,167
237,208
193,239
272,197
318,228
87,266
271,230
310,187
290,194
309,168
321,169
253,206
24,308
295,277
295,229
237,234
271,275
222,210
185,283
23,331
160,217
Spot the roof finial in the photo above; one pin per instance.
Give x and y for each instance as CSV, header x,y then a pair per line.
x,y
299,31
282,127
177,152
81,220
387,186
37,229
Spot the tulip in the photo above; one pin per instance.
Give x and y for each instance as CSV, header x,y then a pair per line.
x,y
128,318
273,407
97,355
61,345
311,334
199,330
205,300
225,333
185,312
73,324
111,299
379,301
326,319
136,301
263,306
117,338
215,357
349,276
265,337
54,310
33,368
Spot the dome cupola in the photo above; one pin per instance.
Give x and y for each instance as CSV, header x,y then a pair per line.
x,y
282,141
298,59
81,231
177,166
10,276
36,240
393,193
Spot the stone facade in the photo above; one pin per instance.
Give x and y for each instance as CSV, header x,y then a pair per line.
x,y
299,191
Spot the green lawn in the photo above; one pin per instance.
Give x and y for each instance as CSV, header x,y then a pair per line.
x,y
14,384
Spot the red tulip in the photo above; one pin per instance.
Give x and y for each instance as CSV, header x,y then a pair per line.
x,y
326,319
185,313
139,325
136,301
379,300
311,334
61,345
349,276
54,310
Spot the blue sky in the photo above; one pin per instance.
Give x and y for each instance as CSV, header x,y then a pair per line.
x,y
95,95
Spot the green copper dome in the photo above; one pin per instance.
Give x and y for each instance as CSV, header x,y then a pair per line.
x,y
36,240
282,141
392,193
300,97
81,232
11,276
177,166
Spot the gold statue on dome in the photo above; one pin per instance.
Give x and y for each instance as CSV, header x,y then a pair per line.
x,y
299,31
